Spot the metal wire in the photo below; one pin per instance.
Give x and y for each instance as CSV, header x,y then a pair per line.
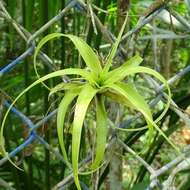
x,y
33,135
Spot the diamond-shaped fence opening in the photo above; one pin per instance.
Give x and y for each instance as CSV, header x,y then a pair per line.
x,y
32,131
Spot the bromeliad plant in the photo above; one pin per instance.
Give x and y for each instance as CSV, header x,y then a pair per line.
x,y
95,85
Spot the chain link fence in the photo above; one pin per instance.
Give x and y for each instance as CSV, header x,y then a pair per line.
x,y
175,166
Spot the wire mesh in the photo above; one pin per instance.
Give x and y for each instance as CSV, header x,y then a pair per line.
x,y
32,127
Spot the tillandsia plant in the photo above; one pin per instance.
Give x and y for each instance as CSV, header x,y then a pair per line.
x,y
95,85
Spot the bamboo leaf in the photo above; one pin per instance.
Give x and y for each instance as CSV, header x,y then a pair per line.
x,y
83,101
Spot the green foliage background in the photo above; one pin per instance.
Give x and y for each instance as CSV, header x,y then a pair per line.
x,y
163,45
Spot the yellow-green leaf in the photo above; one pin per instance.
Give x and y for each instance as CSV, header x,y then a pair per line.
x,y
113,77
114,48
140,105
101,131
62,109
70,71
86,95
137,102
63,86
122,70
90,58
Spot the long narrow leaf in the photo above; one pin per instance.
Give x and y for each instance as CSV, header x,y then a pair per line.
x,y
120,71
101,131
118,98
90,58
64,86
140,105
62,109
113,77
70,71
114,48
83,101
135,98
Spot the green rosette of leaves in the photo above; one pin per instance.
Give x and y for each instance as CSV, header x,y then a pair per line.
x,y
97,84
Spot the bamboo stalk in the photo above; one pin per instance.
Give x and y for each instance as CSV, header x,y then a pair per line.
x,y
44,16
63,39
15,172
27,12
